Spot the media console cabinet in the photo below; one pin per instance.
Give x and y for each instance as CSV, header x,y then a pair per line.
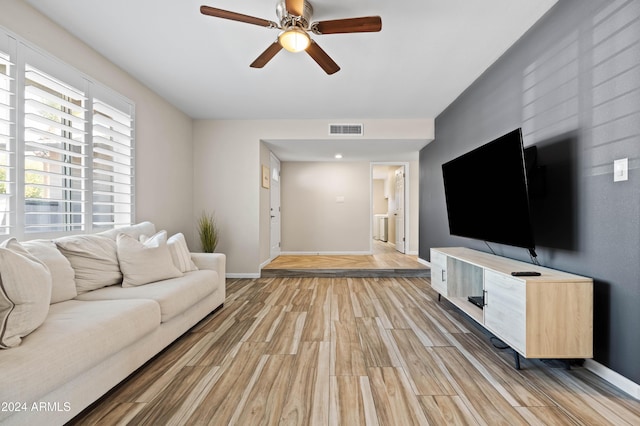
x,y
546,316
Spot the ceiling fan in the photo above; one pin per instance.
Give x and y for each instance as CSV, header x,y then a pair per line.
x,y
295,25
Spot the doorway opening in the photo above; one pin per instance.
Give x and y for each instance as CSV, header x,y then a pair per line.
x,y
389,212
274,207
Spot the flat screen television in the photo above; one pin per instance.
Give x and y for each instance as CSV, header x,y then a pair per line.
x,y
486,193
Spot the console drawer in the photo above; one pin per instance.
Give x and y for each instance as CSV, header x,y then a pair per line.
x,y
439,272
505,308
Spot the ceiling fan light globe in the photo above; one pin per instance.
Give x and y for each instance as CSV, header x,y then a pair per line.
x,y
294,39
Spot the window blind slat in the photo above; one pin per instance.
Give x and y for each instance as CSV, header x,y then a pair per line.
x,y
47,122
109,163
39,106
31,133
122,158
123,187
53,83
111,135
44,147
48,174
99,140
31,91
107,123
55,162
110,111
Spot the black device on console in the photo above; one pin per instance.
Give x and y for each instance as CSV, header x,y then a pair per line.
x,y
526,274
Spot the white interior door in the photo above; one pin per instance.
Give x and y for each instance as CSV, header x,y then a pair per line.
x,y
399,210
274,194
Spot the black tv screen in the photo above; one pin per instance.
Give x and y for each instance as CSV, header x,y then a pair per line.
x,y
486,193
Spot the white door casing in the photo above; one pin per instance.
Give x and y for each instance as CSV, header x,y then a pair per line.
x,y
274,196
399,210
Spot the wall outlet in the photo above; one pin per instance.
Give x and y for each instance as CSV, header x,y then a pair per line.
x,y
621,170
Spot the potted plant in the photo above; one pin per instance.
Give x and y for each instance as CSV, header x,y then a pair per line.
x,y
208,231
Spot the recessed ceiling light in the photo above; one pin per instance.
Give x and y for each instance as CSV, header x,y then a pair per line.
x,y
338,156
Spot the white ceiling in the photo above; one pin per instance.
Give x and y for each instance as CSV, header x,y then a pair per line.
x,y
427,53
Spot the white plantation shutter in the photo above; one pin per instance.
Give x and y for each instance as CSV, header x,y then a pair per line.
x,y
67,149
55,154
113,162
6,140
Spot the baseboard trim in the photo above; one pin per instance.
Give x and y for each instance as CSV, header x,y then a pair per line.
x,y
424,262
616,379
265,263
242,275
326,253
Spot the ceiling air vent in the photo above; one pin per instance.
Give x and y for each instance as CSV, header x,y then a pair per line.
x,y
345,129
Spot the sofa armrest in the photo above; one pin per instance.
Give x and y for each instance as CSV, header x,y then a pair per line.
x,y
213,261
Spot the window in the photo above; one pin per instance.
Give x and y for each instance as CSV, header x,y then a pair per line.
x,y
6,124
66,147
54,154
112,166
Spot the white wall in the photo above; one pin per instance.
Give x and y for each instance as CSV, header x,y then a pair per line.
x,y
326,207
227,168
163,133
379,202
414,206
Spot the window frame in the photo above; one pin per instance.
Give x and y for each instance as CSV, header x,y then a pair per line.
x,y
22,53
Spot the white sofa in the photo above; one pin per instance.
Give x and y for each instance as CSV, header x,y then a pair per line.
x,y
89,342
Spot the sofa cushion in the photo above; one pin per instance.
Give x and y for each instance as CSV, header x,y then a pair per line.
x,y
94,260
63,284
25,293
75,337
174,296
143,263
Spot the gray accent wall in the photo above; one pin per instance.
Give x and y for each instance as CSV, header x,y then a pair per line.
x,y
573,84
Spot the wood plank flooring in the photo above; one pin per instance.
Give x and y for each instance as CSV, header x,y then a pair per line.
x,y
383,262
351,351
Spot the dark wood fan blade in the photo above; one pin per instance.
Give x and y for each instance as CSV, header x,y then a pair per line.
x,y
225,14
266,56
367,24
295,7
321,57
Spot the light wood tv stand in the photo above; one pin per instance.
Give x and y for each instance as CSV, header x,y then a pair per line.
x,y
546,316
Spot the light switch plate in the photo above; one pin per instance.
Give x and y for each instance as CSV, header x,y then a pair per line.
x,y
621,170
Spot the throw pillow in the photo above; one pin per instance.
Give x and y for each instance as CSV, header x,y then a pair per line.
x,y
143,263
180,253
62,275
135,231
94,260
25,293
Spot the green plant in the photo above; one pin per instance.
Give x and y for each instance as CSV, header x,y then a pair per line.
x,y
208,231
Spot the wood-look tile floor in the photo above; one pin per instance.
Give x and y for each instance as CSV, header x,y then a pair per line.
x,y
384,256
351,351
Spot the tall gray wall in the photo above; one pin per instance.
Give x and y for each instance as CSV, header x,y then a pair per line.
x,y
573,84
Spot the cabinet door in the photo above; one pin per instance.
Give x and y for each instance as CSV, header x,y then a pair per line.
x,y
439,272
505,309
